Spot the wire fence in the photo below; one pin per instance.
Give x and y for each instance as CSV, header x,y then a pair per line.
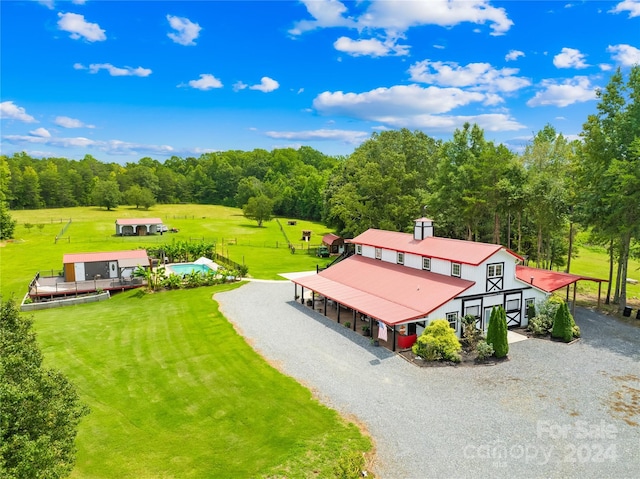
x,y
62,231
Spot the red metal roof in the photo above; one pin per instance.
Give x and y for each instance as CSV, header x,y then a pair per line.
x,y
457,251
547,280
140,254
389,292
139,221
330,238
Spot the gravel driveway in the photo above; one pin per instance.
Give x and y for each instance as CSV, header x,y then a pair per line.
x,y
552,410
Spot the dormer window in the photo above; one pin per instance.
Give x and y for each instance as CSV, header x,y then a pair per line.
x,y
494,270
378,253
400,258
455,269
358,249
426,264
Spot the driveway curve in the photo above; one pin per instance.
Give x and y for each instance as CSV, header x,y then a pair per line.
x,y
552,410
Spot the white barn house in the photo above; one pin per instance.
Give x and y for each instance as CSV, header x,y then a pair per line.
x,y
403,281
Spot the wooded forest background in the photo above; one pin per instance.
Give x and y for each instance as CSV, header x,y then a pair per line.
x,y
532,202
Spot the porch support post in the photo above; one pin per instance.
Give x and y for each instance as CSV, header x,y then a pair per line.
x,y
325,306
568,286
394,338
599,291
295,291
354,324
354,315
338,312
573,306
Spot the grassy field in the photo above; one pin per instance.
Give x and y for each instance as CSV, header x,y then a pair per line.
x,y
175,392
593,261
264,250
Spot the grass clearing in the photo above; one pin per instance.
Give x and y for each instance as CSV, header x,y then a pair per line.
x,y
174,391
264,250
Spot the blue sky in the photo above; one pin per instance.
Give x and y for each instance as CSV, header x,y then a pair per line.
x,y
121,80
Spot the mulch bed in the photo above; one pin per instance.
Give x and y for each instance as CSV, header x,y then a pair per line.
x,y
467,359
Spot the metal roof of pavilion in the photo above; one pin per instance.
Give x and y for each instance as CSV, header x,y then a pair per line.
x,y
331,238
139,221
548,280
457,251
388,292
135,254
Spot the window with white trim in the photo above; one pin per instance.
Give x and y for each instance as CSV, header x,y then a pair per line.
x,y
400,258
495,270
455,269
453,320
426,264
358,249
529,303
513,304
378,253
472,311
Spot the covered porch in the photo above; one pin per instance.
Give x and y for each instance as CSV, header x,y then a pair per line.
x,y
394,337
551,281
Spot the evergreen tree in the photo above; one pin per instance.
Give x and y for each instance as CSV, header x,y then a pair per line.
x,y
497,332
562,327
39,408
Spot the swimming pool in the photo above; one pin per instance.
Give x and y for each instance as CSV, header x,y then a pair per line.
x,y
188,268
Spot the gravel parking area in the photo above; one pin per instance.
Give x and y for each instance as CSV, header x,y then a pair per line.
x,y
552,410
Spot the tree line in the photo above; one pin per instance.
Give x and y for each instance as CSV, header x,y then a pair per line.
x,y
533,201
292,178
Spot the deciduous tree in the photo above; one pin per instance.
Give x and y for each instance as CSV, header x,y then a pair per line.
x,y
259,208
39,408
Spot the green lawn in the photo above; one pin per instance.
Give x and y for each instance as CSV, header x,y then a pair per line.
x,y
175,392
594,262
264,250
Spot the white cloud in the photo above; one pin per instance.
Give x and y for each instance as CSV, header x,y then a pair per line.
x,y
398,15
266,85
347,136
626,55
570,58
513,55
78,27
370,47
631,6
41,132
399,100
67,122
206,82
573,90
325,13
11,111
605,67
47,3
110,147
389,19
57,142
481,76
187,31
115,71
239,85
